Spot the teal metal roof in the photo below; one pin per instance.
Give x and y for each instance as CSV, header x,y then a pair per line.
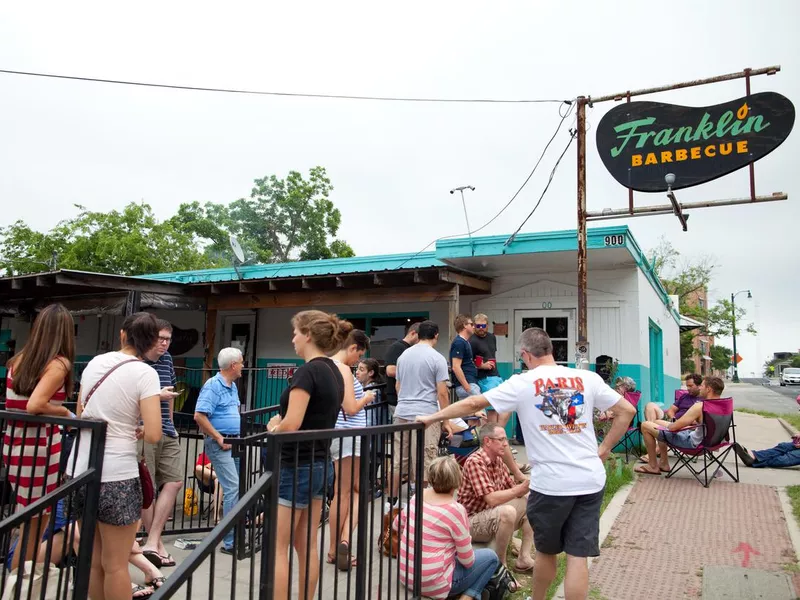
x,y
565,240
306,268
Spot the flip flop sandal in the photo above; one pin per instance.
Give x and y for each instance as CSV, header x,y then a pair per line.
x,y
167,561
156,582
138,589
331,559
343,560
153,557
642,471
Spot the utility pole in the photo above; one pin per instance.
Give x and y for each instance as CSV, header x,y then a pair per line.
x,y
673,208
735,378
583,331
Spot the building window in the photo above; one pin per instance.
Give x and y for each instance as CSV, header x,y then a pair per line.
x,y
385,331
701,302
704,347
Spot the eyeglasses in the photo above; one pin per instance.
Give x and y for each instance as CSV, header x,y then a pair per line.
x,y
470,324
164,340
480,325
501,439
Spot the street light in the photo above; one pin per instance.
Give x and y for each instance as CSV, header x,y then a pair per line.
x,y
461,189
733,313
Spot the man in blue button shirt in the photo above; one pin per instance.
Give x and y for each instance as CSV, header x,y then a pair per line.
x,y
217,416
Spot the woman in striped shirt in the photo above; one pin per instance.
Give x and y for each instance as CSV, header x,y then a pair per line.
x,y
346,451
38,381
449,564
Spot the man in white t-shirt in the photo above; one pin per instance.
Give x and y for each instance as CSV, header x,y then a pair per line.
x,y
555,406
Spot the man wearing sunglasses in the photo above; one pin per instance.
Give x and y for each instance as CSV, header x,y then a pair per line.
x,y
484,351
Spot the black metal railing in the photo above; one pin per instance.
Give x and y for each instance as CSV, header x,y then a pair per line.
x,y
60,558
260,517
244,579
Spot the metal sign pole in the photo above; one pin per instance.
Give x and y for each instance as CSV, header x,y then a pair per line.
x,y
583,216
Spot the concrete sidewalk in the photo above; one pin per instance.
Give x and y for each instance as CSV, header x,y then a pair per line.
x,y
675,539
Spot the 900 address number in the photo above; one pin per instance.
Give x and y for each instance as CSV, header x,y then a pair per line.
x,y
614,240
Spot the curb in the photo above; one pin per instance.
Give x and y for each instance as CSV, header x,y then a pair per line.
x,y
607,520
791,522
791,430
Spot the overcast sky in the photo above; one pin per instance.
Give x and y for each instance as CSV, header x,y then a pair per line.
x,y
392,164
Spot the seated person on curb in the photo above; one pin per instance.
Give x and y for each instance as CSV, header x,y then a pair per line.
x,y
622,385
450,566
785,454
495,504
207,480
710,389
683,402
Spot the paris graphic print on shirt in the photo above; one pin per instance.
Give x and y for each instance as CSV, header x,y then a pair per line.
x,y
562,401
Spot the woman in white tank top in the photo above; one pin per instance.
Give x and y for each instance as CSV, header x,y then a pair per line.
x,y
346,451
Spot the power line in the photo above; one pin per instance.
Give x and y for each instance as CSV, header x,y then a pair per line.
x,y
564,116
510,239
284,94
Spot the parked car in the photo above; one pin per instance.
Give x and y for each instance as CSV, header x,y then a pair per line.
x,y
790,376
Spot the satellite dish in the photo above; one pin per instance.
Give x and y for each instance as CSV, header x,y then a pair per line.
x,y
237,249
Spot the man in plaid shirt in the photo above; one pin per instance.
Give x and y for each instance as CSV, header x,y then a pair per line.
x,y
495,504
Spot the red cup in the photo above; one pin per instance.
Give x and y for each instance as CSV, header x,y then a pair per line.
x,y
478,361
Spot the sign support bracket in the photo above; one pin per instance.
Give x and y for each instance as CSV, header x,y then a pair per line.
x,y
673,208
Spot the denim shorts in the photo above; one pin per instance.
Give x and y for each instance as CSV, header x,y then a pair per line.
x,y
311,483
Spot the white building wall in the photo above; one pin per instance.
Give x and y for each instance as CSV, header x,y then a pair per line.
x,y
612,316
652,307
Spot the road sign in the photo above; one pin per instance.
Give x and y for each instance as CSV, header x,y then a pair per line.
x,y
738,358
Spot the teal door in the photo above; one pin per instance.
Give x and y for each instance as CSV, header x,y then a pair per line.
x,y
656,364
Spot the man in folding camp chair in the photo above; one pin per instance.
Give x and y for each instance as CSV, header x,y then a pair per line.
x,y
687,433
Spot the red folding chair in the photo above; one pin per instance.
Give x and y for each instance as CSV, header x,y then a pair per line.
x,y
632,439
718,440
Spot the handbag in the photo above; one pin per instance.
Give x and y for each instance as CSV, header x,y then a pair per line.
x,y
148,492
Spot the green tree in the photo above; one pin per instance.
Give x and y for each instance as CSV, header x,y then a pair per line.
x,y
282,220
720,357
683,277
127,242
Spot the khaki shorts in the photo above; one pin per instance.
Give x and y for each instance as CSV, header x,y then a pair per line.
x,y
409,450
163,460
483,525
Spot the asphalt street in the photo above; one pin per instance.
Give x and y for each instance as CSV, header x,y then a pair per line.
x,y
752,394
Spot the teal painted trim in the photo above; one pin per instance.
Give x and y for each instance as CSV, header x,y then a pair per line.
x,y
565,240
305,268
193,362
505,369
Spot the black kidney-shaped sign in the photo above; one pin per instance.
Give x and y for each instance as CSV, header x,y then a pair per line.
x,y
640,142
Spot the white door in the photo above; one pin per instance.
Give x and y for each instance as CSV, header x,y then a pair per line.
x,y
238,331
559,325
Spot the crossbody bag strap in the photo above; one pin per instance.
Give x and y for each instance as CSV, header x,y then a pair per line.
x,y
341,408
104,377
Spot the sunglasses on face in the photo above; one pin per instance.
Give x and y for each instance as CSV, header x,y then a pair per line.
x,y
480,325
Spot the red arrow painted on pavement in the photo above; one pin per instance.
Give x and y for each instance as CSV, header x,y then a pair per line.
x,y
747,549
